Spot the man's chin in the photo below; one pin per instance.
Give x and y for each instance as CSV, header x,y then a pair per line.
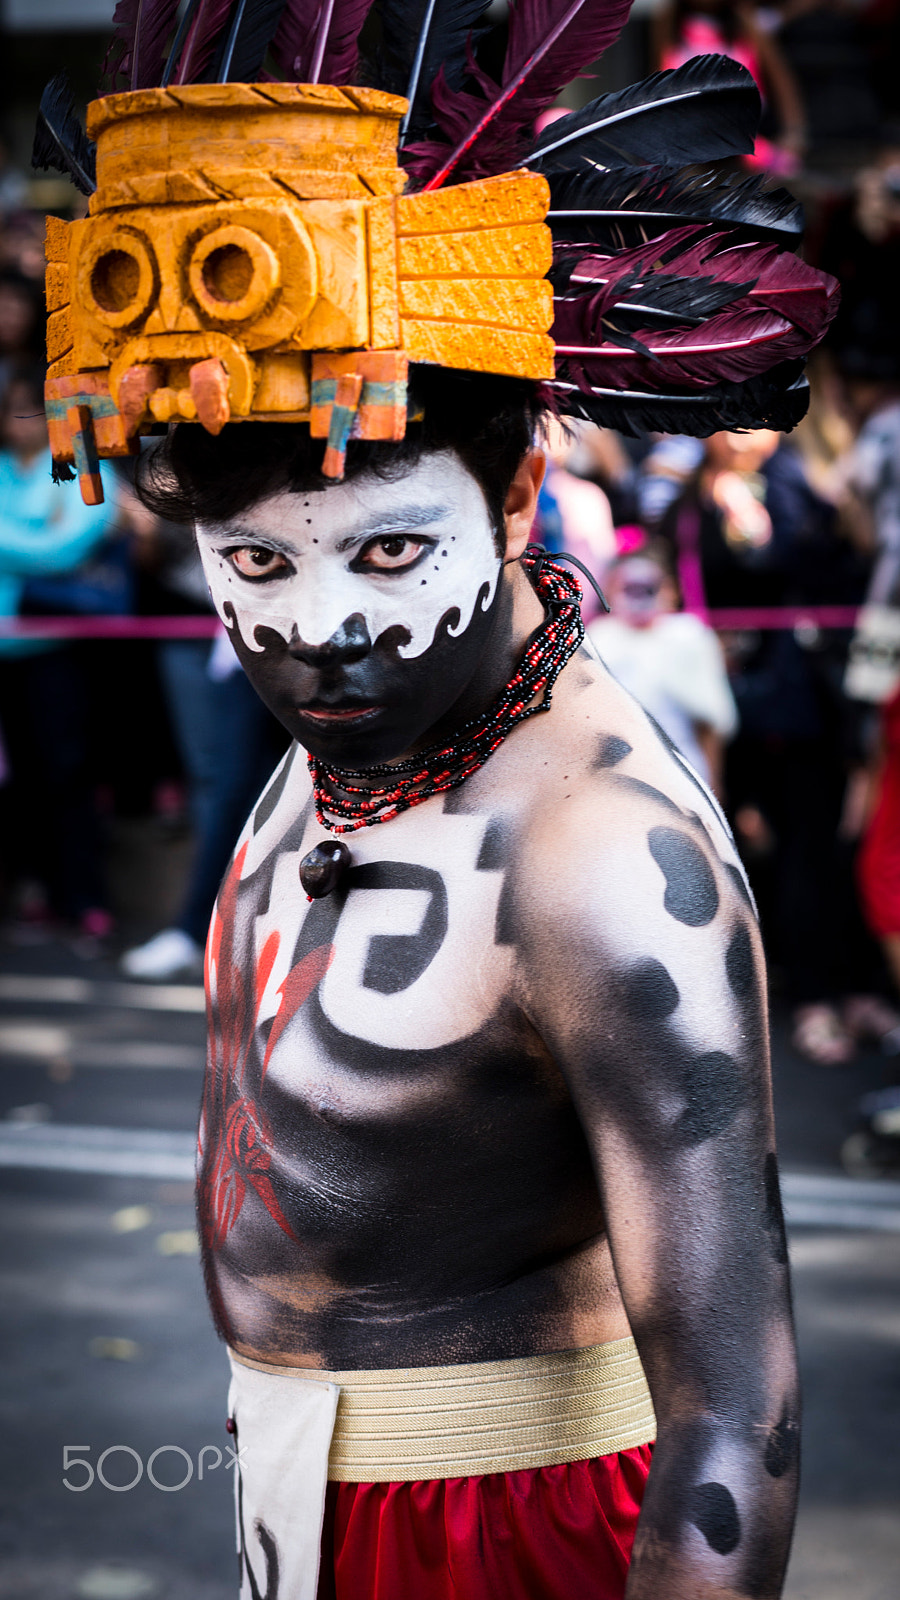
x,y
354,743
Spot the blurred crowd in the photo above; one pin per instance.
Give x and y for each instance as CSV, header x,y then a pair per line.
x,y
754,584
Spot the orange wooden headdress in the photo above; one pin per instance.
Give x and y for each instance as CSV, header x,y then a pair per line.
x,y
256,250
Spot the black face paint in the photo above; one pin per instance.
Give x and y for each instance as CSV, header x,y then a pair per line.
x,y
713,1511
410,696
691,895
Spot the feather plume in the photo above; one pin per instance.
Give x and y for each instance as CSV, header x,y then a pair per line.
x,y
60,141
621,208
243,47
652,300
703,111
421,38
549,43
203,36
294,44
141,31
777,399
760,275
734,345
777,307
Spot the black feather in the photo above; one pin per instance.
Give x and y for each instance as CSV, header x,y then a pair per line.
x,y
250,31
60,141
620,209
776,399
453,28
181,31
663,300
703,111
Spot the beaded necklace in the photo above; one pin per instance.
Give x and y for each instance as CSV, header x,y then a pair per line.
x,y
439,768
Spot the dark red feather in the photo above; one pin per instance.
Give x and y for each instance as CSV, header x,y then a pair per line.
x,y
550,42
294,45
784,307
141,32
203,39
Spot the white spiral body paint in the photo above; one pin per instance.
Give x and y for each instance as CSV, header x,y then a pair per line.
x,y
322,534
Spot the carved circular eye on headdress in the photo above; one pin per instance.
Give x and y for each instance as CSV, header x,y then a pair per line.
x,y
119,281
233,274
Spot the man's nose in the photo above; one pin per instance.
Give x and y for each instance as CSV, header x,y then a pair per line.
x,y
350,642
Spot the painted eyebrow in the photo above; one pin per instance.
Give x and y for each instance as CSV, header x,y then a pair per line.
x,y
400,521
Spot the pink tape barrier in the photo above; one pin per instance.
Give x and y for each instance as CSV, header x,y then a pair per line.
x,y
724,620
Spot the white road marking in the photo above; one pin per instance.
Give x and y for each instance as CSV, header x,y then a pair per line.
x,y
28,989
25,1038
111,1152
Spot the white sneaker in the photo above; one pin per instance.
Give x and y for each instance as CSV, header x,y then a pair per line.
x,y
170,954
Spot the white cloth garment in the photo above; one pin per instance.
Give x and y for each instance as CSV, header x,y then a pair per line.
x,y
676,670
283,1427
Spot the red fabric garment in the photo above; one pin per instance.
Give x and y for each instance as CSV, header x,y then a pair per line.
x,y
549,1533
878,866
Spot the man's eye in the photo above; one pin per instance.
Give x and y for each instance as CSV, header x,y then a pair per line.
x,y
393,551
251,561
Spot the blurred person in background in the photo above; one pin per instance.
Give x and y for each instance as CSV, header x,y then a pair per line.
x,y
826,45
670,661
21,323
227,741
51,831
751,529
573,514
689,28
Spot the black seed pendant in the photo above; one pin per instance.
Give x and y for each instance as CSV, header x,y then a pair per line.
x,y
323,868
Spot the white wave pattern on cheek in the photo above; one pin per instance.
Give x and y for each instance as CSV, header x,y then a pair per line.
x,y
317,599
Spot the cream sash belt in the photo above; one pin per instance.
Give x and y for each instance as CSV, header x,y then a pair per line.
x,y
298,1427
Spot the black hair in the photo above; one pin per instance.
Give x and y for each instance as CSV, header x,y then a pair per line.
x,y
488,421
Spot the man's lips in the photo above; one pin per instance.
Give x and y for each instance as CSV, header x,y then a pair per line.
x,y
334,715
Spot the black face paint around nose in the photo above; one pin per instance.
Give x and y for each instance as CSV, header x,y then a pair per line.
x,y
350,642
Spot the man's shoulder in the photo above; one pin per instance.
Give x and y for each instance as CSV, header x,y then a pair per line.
x,y
616,797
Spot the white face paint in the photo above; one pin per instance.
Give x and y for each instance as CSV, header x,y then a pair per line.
x,y
400,553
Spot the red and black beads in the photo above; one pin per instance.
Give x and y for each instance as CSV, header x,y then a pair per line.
x,y
351,799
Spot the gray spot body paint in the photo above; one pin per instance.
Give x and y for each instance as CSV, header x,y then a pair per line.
x,y
714,1512
691,895
612,750
782,1447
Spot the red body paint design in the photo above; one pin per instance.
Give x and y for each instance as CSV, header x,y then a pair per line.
x,y
236,1144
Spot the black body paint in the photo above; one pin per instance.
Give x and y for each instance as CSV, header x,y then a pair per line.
x,y
782,1447
774,1212
691,895
714,1512
611,751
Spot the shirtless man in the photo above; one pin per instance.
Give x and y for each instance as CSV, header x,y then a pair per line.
x,y
503,1093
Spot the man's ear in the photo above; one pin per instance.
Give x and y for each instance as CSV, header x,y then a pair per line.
x,y
520,505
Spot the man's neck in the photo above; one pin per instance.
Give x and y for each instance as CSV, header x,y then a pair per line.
x,y
517,613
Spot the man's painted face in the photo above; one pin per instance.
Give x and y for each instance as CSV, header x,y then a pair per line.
x,y
360,612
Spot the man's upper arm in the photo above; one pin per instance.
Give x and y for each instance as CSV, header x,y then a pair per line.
x,y
646,982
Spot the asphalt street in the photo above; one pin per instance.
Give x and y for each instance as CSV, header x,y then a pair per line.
x,y
116,1479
